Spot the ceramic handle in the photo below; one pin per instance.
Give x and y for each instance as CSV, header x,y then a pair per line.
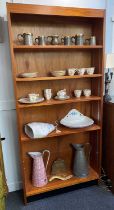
x,y
47,158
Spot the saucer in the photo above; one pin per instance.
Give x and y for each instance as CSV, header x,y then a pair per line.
x,y
64,98
27,100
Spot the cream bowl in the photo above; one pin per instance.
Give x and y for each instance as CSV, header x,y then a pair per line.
x,y
90,70
59,73
87,92
77,93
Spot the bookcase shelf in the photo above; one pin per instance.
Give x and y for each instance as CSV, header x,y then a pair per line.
x,y
49,20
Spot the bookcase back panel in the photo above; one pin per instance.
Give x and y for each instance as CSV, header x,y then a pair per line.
x,y
46,62
51,114
58,147
46,25
24,88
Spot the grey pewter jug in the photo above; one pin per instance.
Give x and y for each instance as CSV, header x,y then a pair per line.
x,y
81,160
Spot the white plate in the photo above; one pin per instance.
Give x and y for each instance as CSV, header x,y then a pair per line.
x,y
74,119
28,75
61,99
27,101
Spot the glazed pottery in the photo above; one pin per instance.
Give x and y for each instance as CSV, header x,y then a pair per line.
x,y
74,119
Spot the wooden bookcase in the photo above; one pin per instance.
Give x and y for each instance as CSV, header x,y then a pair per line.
x,y
47,20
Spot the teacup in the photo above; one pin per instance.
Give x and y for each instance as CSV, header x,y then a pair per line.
x,y
61,93
48,94
81,71
90,70
71,71
87,92
33,97
77,93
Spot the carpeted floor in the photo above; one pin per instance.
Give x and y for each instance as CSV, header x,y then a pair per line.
x,y
90,198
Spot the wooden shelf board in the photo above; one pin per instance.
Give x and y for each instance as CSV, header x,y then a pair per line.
x,y
57,102
57,184
48,47
58,78
64,131
40,47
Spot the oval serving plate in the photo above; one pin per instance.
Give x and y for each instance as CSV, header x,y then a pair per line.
x,y
28,75
27,101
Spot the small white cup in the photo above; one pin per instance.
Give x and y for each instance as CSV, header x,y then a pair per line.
x,y
33,97
71,71
61,93
77,93
90,70
81,71
48,94
87,92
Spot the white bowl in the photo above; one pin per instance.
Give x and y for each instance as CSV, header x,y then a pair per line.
x,y
58,73
81,71
77,93
87,92
90,70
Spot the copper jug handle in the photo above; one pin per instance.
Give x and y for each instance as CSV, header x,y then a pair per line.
x,y
47,158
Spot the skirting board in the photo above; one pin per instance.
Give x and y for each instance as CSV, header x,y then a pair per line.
x,y
14,186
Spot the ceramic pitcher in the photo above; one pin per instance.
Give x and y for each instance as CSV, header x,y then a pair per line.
x,y
81,160
39,177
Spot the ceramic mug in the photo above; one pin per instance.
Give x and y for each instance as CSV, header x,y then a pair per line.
x,y
87,92
81,71
90,70
77,93
71,71
61,93
48,94
33,97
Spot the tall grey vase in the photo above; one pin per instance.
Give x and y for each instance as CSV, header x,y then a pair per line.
x,y
81,165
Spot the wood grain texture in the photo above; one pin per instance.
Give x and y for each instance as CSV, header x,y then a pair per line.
x,y
52,47
57,184
65,131
54,10
57,102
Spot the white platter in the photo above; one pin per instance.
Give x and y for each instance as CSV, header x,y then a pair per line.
x,y
61,99
75,119
27,101
28,75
